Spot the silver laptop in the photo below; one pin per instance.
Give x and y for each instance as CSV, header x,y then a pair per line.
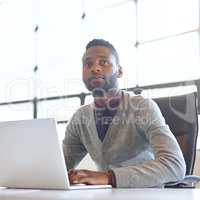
x,y
32,157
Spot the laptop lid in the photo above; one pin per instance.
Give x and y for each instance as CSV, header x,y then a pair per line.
x,y
31,156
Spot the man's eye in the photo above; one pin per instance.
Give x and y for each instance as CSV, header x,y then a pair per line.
x,y
87,64
103,62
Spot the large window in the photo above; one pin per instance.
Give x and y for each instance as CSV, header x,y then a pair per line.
x,y
61,110
16,112
16,50
42,42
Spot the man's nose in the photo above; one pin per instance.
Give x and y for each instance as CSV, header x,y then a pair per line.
x,y
96,68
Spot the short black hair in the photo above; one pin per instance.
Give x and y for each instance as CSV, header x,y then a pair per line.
x,y
101,42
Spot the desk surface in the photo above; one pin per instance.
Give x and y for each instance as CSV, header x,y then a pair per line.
x,y
101,194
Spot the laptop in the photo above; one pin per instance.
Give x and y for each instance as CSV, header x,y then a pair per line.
x,y
32,157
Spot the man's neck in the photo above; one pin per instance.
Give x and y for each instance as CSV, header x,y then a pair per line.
x,y
110,97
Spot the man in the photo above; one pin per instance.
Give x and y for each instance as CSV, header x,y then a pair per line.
x,y
126,136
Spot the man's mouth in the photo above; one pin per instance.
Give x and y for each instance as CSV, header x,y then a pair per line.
x,y
96,80
97,77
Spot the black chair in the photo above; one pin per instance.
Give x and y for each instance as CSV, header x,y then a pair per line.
x,y
180,113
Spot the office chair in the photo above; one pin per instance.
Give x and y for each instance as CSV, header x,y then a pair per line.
x,y
180,113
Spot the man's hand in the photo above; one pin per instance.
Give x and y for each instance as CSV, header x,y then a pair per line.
x,y
88,177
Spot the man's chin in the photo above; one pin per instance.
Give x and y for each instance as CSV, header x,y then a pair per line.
x,y
96,86
96,90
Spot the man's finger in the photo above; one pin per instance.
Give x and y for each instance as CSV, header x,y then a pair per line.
x,y
84,180
76,175
83,173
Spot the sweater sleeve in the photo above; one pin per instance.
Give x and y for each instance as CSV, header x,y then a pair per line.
x,y
73,149
168,165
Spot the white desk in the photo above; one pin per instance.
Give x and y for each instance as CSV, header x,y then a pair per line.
x,y
102,194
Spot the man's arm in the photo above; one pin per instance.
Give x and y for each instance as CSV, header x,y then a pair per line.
x,y
168,165
73,148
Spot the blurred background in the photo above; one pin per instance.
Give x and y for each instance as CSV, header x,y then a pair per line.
x,y
42,42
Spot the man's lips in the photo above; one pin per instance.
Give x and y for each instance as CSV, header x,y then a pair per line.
x,y
97,77
94,78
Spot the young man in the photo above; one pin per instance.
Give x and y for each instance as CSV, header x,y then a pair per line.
x,y
126,136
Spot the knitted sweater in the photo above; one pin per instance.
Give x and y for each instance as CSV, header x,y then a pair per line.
x,y
138,146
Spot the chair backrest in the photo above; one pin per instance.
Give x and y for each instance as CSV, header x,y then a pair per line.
x,y
180,113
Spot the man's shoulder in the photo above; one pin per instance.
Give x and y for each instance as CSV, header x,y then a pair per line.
x,y
138,101
82,111
136,98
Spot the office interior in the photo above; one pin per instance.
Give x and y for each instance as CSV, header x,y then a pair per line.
x,y
42,42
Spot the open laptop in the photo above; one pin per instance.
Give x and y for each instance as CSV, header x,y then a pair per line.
x,y
32,157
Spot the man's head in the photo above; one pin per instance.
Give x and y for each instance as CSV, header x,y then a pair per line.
x,y
101,66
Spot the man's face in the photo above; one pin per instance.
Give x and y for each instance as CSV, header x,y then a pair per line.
x,y
100,69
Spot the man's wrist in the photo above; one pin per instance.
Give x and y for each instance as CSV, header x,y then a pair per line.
x,y
111,178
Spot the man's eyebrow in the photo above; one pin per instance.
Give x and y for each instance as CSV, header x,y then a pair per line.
x,y
103,56
90,57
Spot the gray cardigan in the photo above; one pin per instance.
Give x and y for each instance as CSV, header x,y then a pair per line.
x,y
139,147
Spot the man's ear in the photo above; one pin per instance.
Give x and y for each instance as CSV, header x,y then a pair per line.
x,y
120,72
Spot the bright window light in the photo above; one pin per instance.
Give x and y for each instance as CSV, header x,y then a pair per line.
x,y
170,60
52,34
61,131
16,50
61,110
17,44
115,24
159,18
16,112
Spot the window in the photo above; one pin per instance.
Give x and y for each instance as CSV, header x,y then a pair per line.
x,y
161,18
58,51
61,131
16,50
157,40
61,110
172,60
16,112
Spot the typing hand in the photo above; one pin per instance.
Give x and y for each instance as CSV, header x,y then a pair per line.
x,y
88,177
